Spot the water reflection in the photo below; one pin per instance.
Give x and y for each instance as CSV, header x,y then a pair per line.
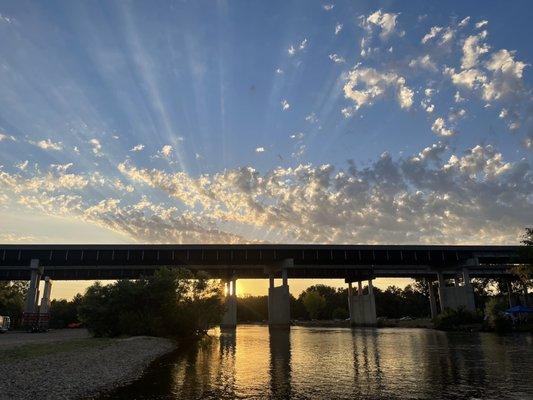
x,y
280,363
310,363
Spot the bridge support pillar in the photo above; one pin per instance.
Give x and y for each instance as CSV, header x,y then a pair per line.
x,y
363,306
456,296
432,299
279,302
229,319
32,297
45,301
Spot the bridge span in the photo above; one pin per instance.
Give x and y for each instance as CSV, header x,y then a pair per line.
x,y
353,263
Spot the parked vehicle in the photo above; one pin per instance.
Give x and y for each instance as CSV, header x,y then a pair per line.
x,y
5,323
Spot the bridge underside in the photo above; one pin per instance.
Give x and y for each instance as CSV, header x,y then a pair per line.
x,y
80,262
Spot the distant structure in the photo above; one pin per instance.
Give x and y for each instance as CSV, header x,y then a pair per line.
x,y
353,263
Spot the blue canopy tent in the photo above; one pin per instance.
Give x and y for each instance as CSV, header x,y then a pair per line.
x,y
519,310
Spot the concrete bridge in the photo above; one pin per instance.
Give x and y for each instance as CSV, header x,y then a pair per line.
x,y
353,263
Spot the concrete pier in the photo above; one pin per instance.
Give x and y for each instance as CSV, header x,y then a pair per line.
x,y
279,311
229,319
45,301
454,297
432,299
32,297
363,306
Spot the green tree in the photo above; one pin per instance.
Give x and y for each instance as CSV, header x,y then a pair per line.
x,y
169,303
524,271
314,302
64,312
12,298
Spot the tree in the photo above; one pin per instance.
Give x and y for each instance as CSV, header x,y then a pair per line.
x,y
314,302
525,271
64,312
169,303
12,297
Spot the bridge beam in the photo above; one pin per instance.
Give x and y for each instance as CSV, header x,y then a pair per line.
x,y
229,319
363,306
279,306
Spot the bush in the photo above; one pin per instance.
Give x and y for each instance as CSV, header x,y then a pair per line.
x,y
340,313
496,320
451,319
170,303
64,312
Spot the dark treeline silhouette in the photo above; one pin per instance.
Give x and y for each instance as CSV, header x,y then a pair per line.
x,y
392,302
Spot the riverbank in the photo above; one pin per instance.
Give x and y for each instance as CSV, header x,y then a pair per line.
x,y
71,364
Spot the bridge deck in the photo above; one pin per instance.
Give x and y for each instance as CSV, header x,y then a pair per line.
x,y
72,262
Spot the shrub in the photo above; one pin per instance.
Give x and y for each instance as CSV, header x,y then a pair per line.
x,y
340,313
169,303
451,319
495,318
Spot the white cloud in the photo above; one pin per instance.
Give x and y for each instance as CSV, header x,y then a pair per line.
x,y
328,7
166,150
336,58
365,85
338,28
285,105
22,165
464,22
291,50
385,22
303,44
137,148
279,71
432,33
439,127
7,137
473,49
297,136
311,118
96,145
481,24
61,167
260,150
47,144
423,62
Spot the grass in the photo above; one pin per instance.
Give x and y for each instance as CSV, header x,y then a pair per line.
x,y
26,351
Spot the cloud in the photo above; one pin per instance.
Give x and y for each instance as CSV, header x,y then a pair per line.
x,y
336,58
166,150
472,50
423,62
96,145
481,24
365,85
292,50
328,7
285,105
260,150
384,22
432,34
338,28
279,71
47,144
439,127
7,137
435,196
137,148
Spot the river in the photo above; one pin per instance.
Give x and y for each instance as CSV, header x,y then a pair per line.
x,y
341,363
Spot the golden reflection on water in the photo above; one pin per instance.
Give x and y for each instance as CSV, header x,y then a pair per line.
x,y
340,363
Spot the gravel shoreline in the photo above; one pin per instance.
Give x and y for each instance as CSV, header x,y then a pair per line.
x,y
77,368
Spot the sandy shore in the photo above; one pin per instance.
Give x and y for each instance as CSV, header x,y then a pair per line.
x,y
69,364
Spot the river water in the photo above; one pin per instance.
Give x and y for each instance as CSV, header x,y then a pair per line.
x,y
341,363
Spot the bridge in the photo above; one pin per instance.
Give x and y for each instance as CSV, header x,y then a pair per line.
x,y
353,263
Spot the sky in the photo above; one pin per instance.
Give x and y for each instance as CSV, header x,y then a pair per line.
x,y
385,122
